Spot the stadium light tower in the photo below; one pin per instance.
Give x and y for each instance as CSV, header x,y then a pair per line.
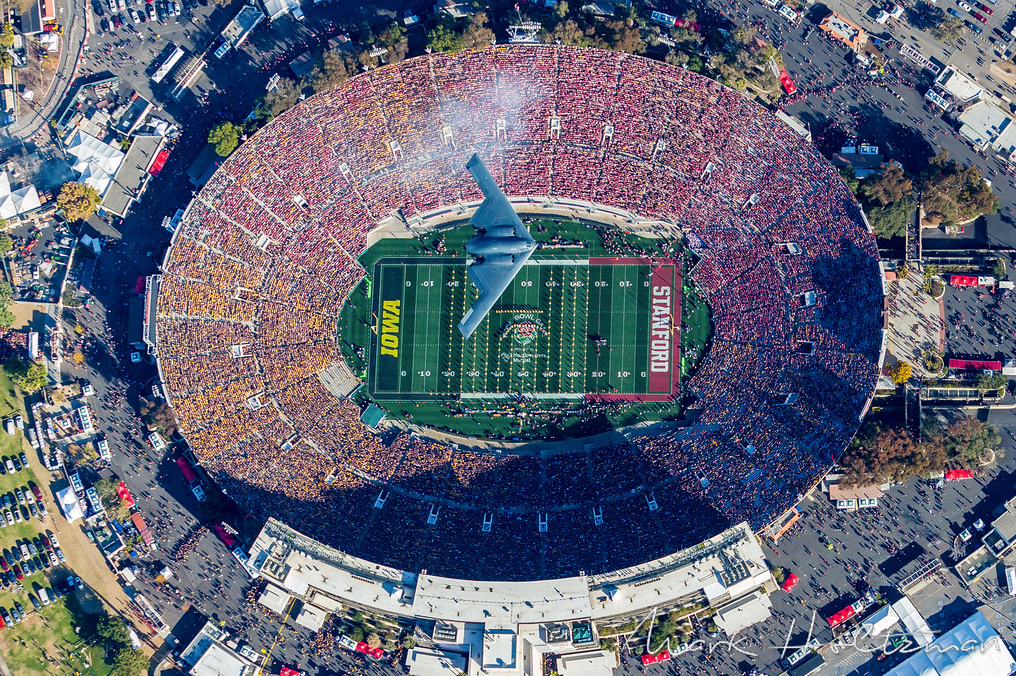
x,y
524,32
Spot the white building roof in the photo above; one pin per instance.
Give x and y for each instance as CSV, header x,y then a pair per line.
x,y
276,8
972,648
426,662
983,123
743,613
502,604
219,660
958,85
703,568
95,162
311,617
274,599
592,663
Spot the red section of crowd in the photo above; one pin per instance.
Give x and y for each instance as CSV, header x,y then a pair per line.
x,y
268,252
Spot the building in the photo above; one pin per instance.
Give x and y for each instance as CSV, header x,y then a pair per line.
x,y
94,161
851,498
865,159
506,628
457,9
971,647
243,24
273,9
952,88
132,177
840,28
207,655
984,125
1001,537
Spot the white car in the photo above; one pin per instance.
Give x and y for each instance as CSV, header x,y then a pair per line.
x,y
964,6
9,426
133,15
52,541
19,422
9,517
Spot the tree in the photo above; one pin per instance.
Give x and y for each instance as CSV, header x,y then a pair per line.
x,y
279,100
225,137
964,440
878,455
900,372
998,269
77,200
332,72
888,186
356,634
948,29
408,642
114,633
373,640
954,194
444,38
130,662
850,178
476,33
26,375
7,36
987,382
891,221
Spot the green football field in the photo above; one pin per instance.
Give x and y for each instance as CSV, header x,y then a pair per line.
x,y
562,329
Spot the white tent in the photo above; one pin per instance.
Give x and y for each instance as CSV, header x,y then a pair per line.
x,y
16,202
69,505
972,648
95,162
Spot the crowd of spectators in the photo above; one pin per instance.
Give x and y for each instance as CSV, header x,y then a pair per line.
x,y
266,256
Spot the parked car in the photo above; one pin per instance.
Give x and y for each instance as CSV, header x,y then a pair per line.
x,y
60,555
20,495
18,572
32,509
9,517
52,539
18,517
3,564
10,466
980,17
19,422
21,608
7,500
15,615
44,596
987,10
36,492
35,602
24,460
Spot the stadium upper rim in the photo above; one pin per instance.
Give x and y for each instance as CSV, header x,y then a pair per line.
x,y
265,256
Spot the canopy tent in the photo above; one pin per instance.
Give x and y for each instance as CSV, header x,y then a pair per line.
x,y
975,364
841,616
789,583
158,163
957,474
68,502
16,202
95,162
185,468
963,280
124,494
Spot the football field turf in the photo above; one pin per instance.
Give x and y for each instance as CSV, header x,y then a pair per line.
x,y
562,329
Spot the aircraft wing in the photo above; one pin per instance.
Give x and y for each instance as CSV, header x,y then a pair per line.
x,y
491,280
495,209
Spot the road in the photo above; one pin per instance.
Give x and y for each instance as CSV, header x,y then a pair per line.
x,y
72,16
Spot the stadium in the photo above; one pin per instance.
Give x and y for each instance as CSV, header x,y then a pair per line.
x,y
352,193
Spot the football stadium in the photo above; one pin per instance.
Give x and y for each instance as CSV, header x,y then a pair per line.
x,y
704,296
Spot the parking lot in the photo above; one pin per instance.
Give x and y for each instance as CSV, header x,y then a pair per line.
x,y
38,261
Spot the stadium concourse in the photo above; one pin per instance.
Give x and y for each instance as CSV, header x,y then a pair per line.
x,y
258,271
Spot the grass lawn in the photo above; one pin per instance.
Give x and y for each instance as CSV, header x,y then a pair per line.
x,y
47,643
49,632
